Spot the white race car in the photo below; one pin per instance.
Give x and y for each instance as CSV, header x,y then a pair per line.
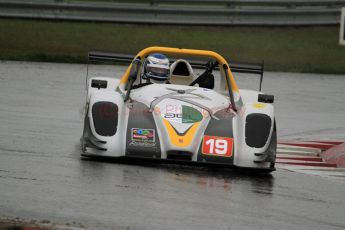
x,y
200,118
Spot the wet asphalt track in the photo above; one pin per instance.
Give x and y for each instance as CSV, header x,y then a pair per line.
x,y
42,176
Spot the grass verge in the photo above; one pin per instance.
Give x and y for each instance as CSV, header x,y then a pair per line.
x,y
306,49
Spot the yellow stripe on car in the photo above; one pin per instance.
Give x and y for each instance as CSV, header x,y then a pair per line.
x,y
178,140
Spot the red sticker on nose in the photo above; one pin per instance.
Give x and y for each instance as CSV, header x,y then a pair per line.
x,y
217,146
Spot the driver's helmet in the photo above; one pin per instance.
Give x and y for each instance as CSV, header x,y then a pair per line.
x,y
156,67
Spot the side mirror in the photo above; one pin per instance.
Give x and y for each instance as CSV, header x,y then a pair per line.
x,y
265,98
99,84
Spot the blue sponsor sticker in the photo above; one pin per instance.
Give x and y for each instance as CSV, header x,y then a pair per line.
x,y
143,135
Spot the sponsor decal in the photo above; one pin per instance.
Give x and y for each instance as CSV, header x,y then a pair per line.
x,y
182,114
143,135
217,146
173,117
142,144
259,105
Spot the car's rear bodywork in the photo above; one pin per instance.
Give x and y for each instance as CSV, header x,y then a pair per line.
x,y
179,122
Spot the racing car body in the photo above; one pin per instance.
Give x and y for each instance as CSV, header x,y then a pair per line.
x,y
193,119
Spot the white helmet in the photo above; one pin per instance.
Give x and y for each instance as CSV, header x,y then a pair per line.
x,y
156,67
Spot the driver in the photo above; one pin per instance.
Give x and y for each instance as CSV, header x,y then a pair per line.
x,y
156,69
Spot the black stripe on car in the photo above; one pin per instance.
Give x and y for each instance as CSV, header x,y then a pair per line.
x,y
142,138
219,128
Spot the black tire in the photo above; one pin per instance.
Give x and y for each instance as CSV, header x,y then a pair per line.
x,y
274,140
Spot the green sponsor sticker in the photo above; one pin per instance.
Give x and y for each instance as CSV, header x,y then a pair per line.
x,y
190,115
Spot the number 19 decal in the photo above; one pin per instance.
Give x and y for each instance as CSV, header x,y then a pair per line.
x,y
217,146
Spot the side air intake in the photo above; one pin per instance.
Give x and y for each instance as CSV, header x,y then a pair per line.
x,y
105,118
258,128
